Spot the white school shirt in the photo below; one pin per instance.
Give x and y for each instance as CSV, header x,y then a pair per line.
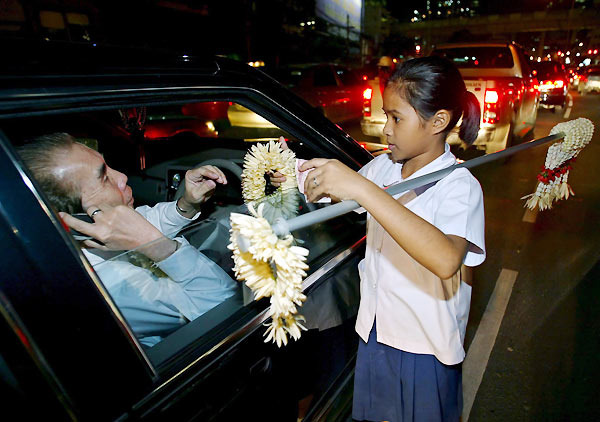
x,y
417,311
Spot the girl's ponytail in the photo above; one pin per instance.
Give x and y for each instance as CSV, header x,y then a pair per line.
x,y
469,128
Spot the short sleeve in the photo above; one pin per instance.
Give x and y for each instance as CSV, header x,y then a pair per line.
x,y
460,212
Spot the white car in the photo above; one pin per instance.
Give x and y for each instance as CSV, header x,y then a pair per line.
x,y
500,77
589,81
373,118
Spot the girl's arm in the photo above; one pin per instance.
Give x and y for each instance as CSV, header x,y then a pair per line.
x,y
440,253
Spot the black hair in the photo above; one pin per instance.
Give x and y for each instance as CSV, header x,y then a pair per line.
x,y
433,83
41,156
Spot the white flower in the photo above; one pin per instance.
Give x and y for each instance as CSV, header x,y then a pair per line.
x,y
264,158
271,267
578,133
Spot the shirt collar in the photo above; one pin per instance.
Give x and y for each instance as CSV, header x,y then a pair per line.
x,y
447,159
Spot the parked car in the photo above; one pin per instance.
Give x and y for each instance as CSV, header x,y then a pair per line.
x,y
589,81
335,90
501,78
553,84
68,350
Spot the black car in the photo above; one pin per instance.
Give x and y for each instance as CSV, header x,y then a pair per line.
x,y
554,84
68,352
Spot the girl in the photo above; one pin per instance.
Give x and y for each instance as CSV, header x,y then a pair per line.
x,y
414,303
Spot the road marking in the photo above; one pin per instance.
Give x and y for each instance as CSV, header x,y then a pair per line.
x,y
569,107
477,359
530,215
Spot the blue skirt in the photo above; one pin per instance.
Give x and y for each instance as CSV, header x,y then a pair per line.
x,y
397,386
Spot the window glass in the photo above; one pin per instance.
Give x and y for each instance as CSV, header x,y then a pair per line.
x,y
347,77
478,57
177,289
548,70
323,76
53,25
79,27
12,16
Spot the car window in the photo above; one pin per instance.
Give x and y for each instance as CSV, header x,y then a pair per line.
x,y
190,297
478,57
347,77
550,69
323,77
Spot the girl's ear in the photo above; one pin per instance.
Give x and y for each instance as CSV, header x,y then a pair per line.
x,y
440,121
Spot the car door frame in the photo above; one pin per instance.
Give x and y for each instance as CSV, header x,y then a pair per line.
x,y
143,385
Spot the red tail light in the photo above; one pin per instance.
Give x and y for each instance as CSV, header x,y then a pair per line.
x,y
490,106
367,95
559,83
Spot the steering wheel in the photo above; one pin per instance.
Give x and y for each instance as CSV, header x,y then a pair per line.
x,y
217,162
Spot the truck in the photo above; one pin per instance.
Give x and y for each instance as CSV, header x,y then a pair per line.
x,y
499,75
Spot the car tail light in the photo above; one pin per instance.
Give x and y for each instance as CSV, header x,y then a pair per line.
x,y
559,83
491,96
490,106
367,95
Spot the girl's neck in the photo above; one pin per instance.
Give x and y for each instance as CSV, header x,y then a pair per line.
x,y
416,163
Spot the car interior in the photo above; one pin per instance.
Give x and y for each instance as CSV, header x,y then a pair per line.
x,y
154,146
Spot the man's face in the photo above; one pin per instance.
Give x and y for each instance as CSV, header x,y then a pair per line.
x,y
96,182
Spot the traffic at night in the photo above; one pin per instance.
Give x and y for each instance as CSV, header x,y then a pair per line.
x,y
319,211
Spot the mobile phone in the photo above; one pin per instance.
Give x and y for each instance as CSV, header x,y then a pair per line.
x,y
83,217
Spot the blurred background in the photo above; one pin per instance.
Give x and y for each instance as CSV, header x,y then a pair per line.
x,y
272,33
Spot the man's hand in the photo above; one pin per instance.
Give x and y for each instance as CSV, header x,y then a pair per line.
x,y
276,178
122,228
200,184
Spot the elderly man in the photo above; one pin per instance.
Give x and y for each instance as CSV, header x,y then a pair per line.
x,y
168,282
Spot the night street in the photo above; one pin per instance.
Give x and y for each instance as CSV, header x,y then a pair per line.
x,y
167,256
544,364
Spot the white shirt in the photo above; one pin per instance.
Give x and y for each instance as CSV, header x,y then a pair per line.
x,y
416,311
156,306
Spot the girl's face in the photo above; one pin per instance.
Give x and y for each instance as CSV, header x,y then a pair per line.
x,y
407,135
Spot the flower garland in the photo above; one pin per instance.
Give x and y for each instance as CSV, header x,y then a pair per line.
x,y
552,185
271,267
258,163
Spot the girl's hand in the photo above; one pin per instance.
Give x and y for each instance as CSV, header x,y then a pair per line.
x,y
331,178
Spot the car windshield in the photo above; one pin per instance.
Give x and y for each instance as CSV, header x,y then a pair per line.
x,y
549,69
478,57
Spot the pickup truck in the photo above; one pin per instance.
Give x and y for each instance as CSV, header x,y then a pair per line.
x,y
500,77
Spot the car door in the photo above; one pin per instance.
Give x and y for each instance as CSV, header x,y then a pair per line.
x,y
217,365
